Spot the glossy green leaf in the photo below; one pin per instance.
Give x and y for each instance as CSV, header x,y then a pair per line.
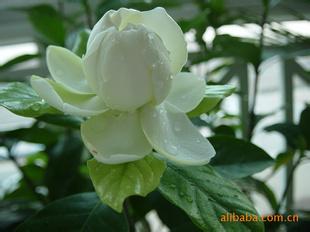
x,y
114,183
236,158
22,100
206,196
213,95
82,212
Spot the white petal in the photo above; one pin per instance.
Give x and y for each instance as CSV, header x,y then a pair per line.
x,y
156,20
187,91
64,100
66,68
161,23
115,139
173,135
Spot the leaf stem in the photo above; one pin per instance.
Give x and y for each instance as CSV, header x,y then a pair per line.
x,y
257,72
129,219
288,184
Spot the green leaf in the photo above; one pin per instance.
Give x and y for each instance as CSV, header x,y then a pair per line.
x,y
69,121
206,196
236,158
79,47
114,183
18,60
213,95
291,133
22,100
63,175
304,124
48,22
81,212
283,159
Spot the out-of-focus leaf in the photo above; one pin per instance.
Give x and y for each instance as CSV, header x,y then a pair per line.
x,y
62,120
13,212
22,100
236,158
207,197
229,46
291,133
282,159
213,95
63,176
79,47
251,184
114,183
172,216
224,130
304,125
17,60
35,134
48,23
81,212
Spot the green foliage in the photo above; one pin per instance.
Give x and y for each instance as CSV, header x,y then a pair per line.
x,y
291,133
213,95
17,60
304,123
236,158
22,100
48,22
79,47
114,183
80,212
206,196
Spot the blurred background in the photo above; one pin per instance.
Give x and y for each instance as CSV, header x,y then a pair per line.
x,y
261,47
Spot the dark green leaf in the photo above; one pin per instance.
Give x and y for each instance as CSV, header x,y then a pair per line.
x,y
82,212
63,175
304,125
282,159
207,197
18,60
236,158
226,45
291,133
62,120
224,130
48,22
22,100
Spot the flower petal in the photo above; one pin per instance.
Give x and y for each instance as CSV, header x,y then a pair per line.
x,y
64,100
114,139
161,23
156,20
173,135
66,68
187,91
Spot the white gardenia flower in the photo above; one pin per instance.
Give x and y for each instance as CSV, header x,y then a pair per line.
x,y
130,87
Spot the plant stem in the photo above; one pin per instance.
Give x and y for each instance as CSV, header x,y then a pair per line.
x,y
257,73
129,219
288,184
